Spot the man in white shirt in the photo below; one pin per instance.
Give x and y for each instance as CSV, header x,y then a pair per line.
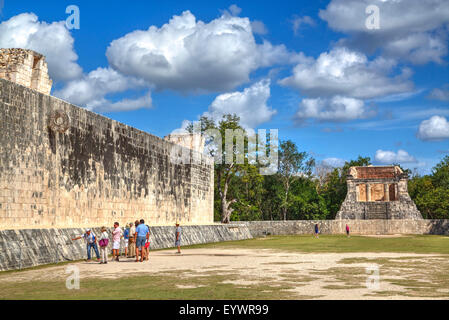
x,y
91,242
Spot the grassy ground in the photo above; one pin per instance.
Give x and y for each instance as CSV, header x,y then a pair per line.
x,y
158,287
340,244
421,277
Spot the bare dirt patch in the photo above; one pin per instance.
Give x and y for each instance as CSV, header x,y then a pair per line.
x,y
304,275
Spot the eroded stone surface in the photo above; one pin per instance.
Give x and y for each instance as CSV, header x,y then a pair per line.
x,y
378,193
25,67
95,172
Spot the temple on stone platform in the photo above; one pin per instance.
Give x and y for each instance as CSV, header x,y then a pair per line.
x,y
378,193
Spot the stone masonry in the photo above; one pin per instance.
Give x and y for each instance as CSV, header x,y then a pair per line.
x,y
62,166
25,67
378,193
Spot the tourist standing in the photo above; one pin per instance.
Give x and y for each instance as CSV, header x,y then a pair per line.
x,y
104,241
142,232
132,239
126,238
91,242
116,236
347,231
147,244
178,237
317,231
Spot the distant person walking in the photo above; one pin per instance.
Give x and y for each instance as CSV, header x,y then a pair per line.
x,y
116,236
91,242
347,231
104,241
178,237
142,232
132,239
317,231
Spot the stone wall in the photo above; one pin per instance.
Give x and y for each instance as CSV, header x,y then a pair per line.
x,y
363,227
28,248
62,166
25,67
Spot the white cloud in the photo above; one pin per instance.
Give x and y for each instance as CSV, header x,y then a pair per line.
x,y
391,157
250,105
436,128
189,55
91,89
299,22
349,73
50,39
440,93
336,109
414,30
104,105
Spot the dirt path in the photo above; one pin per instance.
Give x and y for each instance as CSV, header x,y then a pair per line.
x,y
320,275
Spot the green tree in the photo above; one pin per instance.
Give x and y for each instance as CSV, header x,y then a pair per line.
x,y
292,165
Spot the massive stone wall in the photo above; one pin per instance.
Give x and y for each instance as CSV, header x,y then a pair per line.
x,y
62,166
28,248
362,227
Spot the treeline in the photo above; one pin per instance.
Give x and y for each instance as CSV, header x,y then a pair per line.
x,y
302,189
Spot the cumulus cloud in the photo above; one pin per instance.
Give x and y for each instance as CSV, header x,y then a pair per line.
x,y
91,89
189,55
335,109
250,105
391,157
50,39
436,128
414,30
349,73
440,93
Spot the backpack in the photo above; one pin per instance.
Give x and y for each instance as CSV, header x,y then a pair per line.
x,y
104,242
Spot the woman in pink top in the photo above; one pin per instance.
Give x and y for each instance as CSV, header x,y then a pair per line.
x,y
116,235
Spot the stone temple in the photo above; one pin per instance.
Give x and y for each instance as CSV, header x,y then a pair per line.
x,y
378,193
25,67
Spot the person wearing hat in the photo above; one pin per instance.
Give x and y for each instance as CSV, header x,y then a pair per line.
x,y
178,237
91,242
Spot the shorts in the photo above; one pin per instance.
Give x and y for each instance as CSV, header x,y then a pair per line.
x,y
178,243
126,242
116,245
140,242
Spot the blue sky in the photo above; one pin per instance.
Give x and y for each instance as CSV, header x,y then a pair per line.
x,y
326,81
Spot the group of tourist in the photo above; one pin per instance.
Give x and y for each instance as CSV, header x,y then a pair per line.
x,y
136,238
